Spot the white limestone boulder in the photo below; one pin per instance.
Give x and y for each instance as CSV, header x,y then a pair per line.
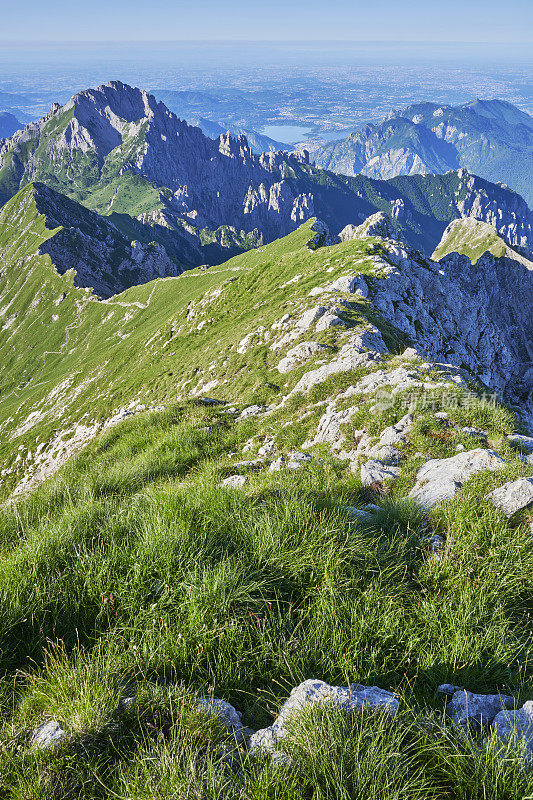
x,y
440,479
352,699
298,354
513,496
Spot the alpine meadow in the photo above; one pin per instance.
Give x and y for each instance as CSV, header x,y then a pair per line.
x,y
266,404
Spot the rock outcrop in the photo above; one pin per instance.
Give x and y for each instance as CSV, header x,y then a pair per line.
x,y
440,479
351,699
472,315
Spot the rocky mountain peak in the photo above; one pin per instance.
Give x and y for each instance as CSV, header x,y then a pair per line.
x,y
491,138
100,257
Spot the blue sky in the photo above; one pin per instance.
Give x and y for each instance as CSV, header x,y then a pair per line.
x,y
357,20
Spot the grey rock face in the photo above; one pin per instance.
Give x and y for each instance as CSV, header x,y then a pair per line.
x,y
462,313
48,734
516,727
378,224
469,709
102,257
441,478
513,496
213,182
322,237
378,472
353,698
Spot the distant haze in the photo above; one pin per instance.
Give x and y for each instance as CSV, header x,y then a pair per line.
x,y
472,21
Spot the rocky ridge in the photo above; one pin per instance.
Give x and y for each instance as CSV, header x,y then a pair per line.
x,y
491,138
370,383
120,152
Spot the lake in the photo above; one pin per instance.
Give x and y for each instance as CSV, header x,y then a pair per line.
x,y
286,134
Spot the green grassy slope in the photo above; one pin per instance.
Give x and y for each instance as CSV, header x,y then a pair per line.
x,y
134,573
471,238
140,345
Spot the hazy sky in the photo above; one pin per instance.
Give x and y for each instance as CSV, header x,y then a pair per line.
x,y
356,20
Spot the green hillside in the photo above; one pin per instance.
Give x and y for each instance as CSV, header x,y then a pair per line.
x,y
133,581
60,342
471,238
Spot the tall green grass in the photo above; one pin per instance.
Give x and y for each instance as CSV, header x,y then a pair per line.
x,y
134,573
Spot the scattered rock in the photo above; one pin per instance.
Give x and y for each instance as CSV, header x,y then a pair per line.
x,y
251,411
513,496
48,734
352,284
322,237
310,316
302,458
441,478
356,514
235,481
225,712
329,426
469,709
250,464
267,448
328,321
378,472
448,689
353,698
475,432
516,727
387,455
125,703
296,355
523,441
365,347
393,436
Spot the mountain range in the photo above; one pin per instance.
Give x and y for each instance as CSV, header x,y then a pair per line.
x,y
491,138
247,454
9,124
120,153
